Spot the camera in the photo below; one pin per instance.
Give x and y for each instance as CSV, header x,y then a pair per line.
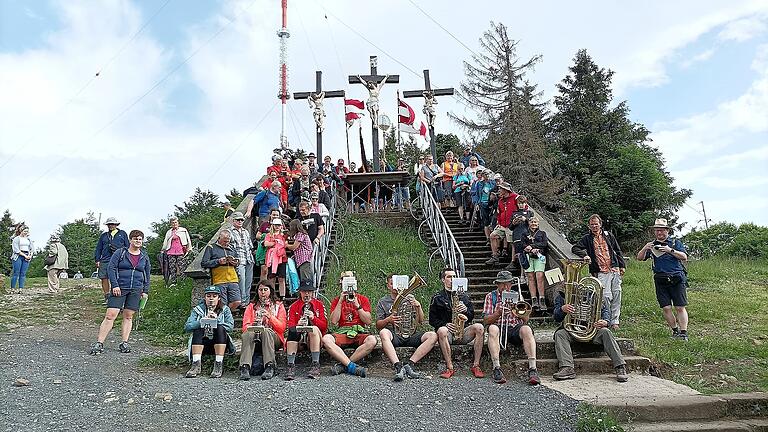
x,y
348,287
657,247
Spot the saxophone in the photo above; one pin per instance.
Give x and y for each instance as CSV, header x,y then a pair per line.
x,y
457,318
403,308
586,297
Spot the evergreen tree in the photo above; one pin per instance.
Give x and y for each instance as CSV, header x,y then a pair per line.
x,y
612,169
511,121
7,225
445,143
80,238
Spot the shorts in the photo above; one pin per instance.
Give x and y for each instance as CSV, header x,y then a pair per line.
x,y
513,335
128,299
536,265
671,289
465,340
412,341
280,271
294,336
503,232
345,341
103,267
219,337
230,292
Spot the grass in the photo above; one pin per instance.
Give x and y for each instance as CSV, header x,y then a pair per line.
x,y
594,419
728,346
372,250
162,320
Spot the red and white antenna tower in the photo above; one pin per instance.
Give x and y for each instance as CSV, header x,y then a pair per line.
x,y
283,34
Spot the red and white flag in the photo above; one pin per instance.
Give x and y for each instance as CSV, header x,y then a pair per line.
x,y
353,110
405,113
423,131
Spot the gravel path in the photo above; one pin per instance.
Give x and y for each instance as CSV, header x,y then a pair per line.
x,y
70,390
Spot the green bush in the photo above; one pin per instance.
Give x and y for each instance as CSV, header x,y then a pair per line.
x,y
594,419
727,240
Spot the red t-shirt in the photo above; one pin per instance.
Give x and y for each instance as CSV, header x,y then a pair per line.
x,y
296,311
507,206
349,315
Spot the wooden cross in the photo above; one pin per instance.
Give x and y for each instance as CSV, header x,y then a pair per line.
x,y
373,83
316,103
428,93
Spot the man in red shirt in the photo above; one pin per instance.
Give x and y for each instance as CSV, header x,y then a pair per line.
x,y
352,313
307,313
503,232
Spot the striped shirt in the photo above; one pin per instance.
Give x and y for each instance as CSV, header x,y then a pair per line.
x,y
241,243
489,307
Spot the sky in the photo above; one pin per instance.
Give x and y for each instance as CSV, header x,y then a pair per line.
x,y
123,107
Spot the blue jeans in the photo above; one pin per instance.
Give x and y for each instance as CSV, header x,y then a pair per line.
x,y
20,267
245,279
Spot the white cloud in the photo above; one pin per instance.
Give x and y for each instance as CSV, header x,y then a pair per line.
x,y
698,58
744,29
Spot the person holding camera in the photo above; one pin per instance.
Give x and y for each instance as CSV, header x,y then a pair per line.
x,y
306,326
264,323
109,241
536,245
441,318
500,314
391,339
221,259
461,196
210,322
351,312
606,262
669,276
128,272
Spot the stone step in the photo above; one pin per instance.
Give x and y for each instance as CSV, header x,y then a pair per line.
x,y
723,425
587,365
666,408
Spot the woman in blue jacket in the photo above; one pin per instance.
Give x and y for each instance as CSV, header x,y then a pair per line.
x,y
129,283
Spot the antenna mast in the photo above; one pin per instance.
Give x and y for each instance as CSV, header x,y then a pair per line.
x,y
283,34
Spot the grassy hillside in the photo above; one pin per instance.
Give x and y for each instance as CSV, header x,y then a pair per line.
x,y
728,346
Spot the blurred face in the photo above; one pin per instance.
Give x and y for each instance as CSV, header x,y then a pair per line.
x,y
284,165
533,224
175,223
473,162
304,210
306,295
448,279
428,160
224,238
211,299
466,151
315,200
274,214
449,156
273,175
238,223
661,234
391,287
275,187
264,293
278,162
595,225
111,227
137,241
503,286
327,160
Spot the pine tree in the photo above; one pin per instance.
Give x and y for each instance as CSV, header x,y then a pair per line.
x,y
511,121
613,170
7,226
80,238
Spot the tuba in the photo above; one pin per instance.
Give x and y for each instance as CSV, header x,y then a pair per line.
x,y
586,297
402,307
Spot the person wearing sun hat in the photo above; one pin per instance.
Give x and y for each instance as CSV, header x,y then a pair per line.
x,y
110,240
669,276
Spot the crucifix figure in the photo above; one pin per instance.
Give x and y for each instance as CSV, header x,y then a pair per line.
x,y
373,83
428,93
316,100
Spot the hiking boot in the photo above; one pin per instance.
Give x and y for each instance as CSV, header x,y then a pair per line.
x,y
269,371
257,369
360,371
338,369
498,376
245,373
194,370
542,304
290,373
533,377
411,373
675,333
621,374
447,373
399,372
314,371
477,372
535,304
564,373
97,348
494,260
218,369
124,348
683,336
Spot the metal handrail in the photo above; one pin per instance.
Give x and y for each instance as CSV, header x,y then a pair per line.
x,y
441,232
320,251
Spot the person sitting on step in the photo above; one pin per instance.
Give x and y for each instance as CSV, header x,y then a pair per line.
x,y
263,324
391,338
604,337
208,338
306,326
441,318
352,313
497,316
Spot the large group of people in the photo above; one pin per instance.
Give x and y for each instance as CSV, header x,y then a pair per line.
x,y
289,214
